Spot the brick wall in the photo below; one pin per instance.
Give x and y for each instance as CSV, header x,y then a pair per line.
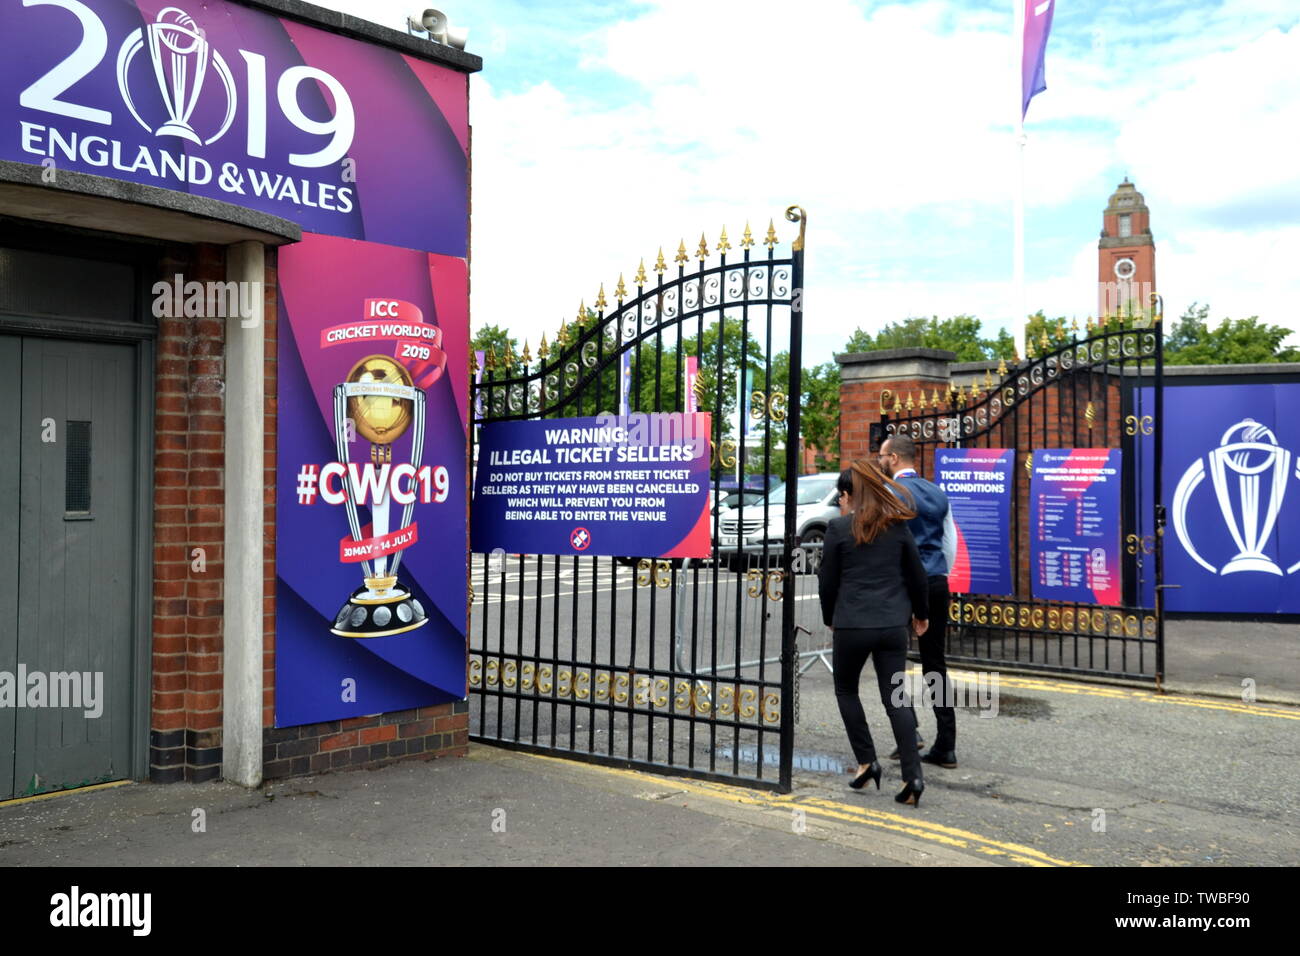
x,y
189,512
441,731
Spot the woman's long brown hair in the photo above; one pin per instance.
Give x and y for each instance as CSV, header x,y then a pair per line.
x,y
877,501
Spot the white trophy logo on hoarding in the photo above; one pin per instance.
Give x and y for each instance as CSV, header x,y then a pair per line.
x,y
181,58
1249,452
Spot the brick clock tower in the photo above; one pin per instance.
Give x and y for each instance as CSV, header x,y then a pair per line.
x,y
1126,254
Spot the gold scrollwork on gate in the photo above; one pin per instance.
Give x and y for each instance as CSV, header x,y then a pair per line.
x,y
995,614
954,611
772,405
475,672
771,708
1067,619
602,686
493,672
582,685
641,690
724,455
527,673
774,579
1116,623
1145,543
564,683
682,700
748,698
662,685
1098,621
755,578
701,699
544,685
1024,616
981,614
649,571
508,672
726,700
621,684
1036,618
1148,626
1054,618
1131,626
1133,425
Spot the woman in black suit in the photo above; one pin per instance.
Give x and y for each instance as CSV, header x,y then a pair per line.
x,y
872,586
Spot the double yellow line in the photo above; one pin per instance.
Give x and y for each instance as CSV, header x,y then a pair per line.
x,y
1047,685
818,807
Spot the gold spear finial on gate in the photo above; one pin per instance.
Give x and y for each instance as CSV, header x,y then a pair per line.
x,y
988,379
934,398
562,338
1002,367
1089,325
909,406
702,253
770,241
1044,341
491,359
723,244
528,357
640,274
1074,326
681,256
898,405
660,265
1029,348
600,299
620,290
543,350
747,240
582,313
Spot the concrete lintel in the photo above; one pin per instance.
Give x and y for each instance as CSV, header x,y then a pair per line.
x,y
244,477
113,205
893,365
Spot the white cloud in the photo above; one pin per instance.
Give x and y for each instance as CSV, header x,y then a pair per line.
x,y
887,124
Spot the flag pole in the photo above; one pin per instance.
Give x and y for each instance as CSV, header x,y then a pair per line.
x,y
1020,309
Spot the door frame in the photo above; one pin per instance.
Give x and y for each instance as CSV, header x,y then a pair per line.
x,y
143,255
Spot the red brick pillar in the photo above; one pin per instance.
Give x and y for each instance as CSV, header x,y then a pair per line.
x,y
871,382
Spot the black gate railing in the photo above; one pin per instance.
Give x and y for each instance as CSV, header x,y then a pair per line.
x,y
682,666
1103,390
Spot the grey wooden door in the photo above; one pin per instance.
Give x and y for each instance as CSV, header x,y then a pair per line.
x,y
76,559
11,363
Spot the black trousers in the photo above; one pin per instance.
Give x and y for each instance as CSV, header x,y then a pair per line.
x,y
934,669
887,647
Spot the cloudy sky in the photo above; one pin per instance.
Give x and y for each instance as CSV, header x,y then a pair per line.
x,y
605,129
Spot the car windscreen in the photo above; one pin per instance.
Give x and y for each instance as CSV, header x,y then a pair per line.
x,y
812,492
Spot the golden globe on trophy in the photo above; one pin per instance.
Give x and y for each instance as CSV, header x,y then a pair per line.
x,y
382,402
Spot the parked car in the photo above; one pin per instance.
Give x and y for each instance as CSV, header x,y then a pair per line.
x,y
743,533
734,500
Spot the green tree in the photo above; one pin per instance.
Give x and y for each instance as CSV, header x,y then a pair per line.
x,y
960,334
1232,342
498,345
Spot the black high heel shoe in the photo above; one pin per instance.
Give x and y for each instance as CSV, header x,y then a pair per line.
x,y
871,773
911,794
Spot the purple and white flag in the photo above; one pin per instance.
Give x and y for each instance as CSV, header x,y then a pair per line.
x,y
1038,23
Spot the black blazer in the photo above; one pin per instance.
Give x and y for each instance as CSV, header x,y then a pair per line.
x,y
878,584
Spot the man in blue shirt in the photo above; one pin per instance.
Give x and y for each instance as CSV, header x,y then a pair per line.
x,y
936,539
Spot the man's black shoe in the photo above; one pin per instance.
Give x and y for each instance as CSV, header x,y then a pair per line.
x,y
947,759
920,745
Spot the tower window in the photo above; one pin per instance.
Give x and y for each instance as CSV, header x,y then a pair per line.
x,y
1125,226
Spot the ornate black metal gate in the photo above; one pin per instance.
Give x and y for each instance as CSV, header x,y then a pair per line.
x,y
683,667
1104,390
